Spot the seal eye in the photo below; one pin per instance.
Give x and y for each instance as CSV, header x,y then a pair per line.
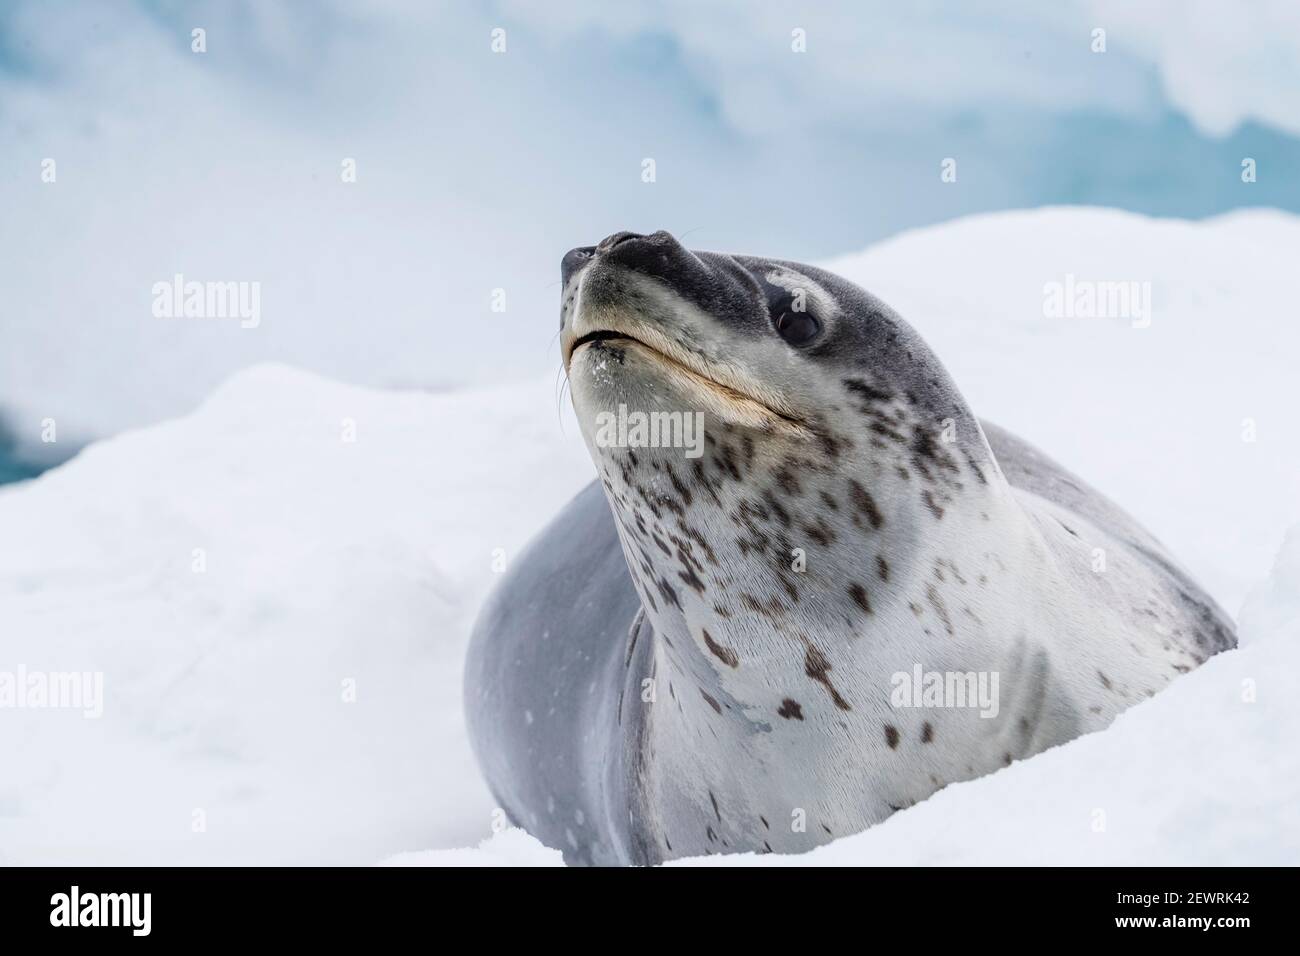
x,y
797,328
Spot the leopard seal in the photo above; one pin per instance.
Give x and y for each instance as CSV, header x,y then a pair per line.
x,y
707,654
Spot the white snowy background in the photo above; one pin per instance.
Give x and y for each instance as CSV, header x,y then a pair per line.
x,y
475,171
330,561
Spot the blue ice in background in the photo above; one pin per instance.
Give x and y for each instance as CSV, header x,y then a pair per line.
x,y
477,169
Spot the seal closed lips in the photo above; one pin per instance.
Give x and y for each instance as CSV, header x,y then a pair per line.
x,y
691,374
603,335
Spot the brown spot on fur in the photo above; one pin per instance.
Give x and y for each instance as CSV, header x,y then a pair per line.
x,y
818,668
790,589
927,733
790,710
724,654
772,608
702,479
859,595
952,566
891,736
712,702
702,541
935,508
668,594
782,515
819,531
692,579
683,492
729,460
788,482
867,392
940,608
865,504
880,428
925,450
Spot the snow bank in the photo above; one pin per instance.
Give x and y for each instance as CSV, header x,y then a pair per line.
x,y
510,847
279,613
323,561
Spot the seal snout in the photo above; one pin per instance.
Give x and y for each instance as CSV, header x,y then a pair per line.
x,y
610,242
657,254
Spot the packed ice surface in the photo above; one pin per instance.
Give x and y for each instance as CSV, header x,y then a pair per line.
x,y
278,587
296,699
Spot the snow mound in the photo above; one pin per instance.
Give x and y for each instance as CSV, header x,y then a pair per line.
x,y
278,588
327,569
510,847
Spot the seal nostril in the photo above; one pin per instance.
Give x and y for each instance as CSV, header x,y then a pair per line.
x,y
617,239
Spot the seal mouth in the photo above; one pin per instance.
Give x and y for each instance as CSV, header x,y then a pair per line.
x,y
725,390
602,335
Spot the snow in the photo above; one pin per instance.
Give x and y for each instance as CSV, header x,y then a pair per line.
x,y
326,561
291,693
509,847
